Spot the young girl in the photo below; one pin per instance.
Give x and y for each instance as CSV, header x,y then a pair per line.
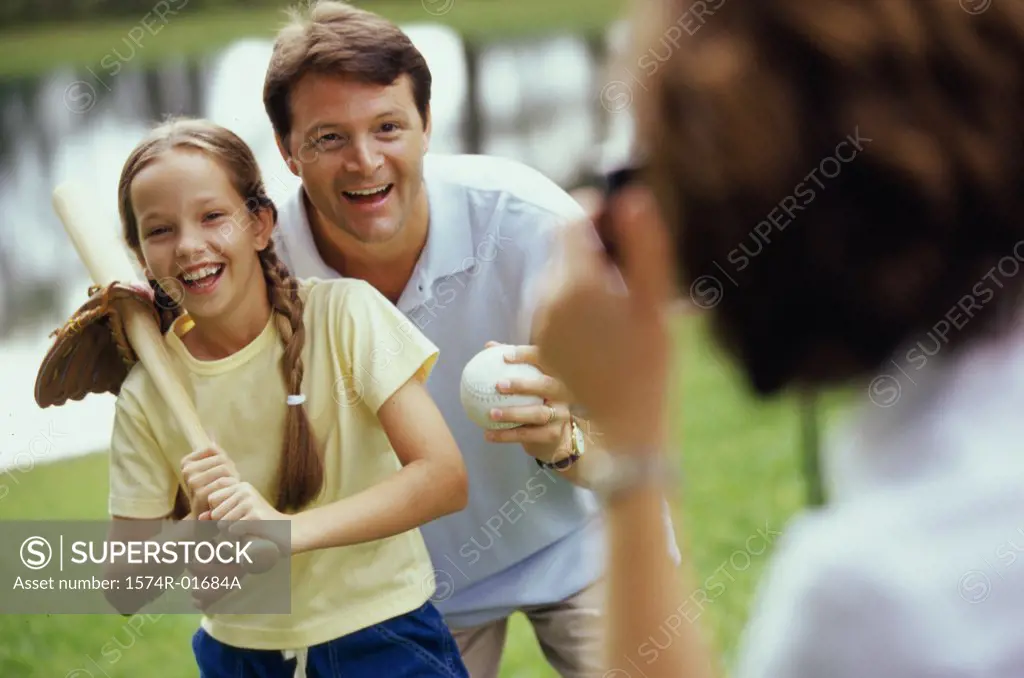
x,y
325,427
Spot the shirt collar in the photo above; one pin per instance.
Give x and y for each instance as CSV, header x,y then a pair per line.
x,y
449,247
299,244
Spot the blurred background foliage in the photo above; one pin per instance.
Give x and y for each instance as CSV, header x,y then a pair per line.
x,y
22,12
39,35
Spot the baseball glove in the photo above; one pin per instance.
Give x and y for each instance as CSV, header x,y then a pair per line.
x,y
91,353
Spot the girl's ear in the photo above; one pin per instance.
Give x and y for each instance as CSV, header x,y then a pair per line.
x,y
264,225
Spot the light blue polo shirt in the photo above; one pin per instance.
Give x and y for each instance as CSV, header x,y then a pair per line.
x,y
527,536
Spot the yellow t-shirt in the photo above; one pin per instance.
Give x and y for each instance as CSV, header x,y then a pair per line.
x,y
359,349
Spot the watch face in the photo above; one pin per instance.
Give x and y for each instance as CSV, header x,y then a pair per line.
x,y
577,433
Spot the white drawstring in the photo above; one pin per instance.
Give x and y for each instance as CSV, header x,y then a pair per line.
x,y
300,663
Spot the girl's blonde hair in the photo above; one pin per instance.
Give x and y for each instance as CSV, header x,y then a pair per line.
x,y
301,469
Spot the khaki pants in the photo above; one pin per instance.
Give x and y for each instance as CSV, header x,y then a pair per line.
x,y
569,634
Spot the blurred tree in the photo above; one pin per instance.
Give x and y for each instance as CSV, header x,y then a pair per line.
x,y
26,12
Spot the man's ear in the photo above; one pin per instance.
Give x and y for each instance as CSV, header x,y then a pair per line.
x,y
427,130
286,156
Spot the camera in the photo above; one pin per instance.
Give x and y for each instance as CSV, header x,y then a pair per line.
x,y
611,185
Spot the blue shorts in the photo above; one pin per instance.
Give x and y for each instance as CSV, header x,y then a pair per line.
x,y
414,645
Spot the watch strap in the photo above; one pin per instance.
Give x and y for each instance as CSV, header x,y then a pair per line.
x,y
574,452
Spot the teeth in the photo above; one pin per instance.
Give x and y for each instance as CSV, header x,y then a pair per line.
x,y
192,276
370,191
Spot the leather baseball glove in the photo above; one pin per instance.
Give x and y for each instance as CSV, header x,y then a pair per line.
x,y
91,353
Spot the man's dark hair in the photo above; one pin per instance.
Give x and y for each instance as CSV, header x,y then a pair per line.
x,y
335,38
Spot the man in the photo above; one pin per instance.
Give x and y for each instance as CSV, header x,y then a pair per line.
x,y
454,242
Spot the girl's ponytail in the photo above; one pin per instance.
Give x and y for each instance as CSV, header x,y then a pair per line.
x,y
301,471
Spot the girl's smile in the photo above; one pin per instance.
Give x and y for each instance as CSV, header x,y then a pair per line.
x,y
202,279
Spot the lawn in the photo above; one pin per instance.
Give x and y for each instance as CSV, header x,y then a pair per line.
x,y
27,51
741,463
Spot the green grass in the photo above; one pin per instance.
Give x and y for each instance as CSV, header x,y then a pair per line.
x,y
741,465
28,51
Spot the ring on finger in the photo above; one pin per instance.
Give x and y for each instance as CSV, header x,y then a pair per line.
x,y
551,415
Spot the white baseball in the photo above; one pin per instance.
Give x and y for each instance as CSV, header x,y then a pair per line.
x,y
479,390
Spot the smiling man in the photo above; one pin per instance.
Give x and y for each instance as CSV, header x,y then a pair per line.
x,y
456,242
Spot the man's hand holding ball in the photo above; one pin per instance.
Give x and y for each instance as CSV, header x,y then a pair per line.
x,y
505,392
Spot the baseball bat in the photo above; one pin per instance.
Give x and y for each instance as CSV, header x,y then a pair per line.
x,y
107,260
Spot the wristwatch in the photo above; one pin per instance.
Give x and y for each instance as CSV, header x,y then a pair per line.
x,y
577,449
609,476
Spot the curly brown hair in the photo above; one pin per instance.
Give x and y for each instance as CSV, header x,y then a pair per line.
x,y
300,473
842,178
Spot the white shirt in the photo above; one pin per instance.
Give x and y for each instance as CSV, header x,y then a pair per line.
x,y
911,571
527,536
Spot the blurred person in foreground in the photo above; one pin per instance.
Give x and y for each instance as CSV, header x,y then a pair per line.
x,y
898,276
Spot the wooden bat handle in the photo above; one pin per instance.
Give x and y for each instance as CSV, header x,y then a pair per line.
x,y
148,344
